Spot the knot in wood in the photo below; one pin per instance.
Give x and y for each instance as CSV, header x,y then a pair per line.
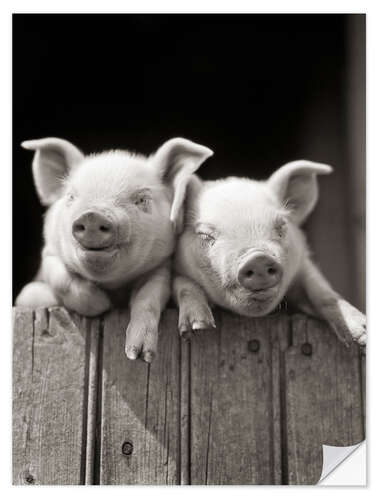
x,y
253,345
127,448
306,349
29,479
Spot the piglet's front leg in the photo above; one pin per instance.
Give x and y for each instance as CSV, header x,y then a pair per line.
x,y
348,323
194,312
75,293
148,299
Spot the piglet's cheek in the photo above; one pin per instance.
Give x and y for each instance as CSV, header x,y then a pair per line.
x,y
64,238
124,223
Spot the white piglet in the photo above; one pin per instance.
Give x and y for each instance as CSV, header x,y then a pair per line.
x,y
110,227
243,250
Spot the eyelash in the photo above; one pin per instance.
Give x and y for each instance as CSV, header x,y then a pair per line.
x,y
143,202
207,238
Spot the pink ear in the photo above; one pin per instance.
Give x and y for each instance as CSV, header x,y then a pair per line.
x,y
176,160
295,184
53,160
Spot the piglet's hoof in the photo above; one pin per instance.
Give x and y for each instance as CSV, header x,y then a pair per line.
x,y
132,352
148,356
192,323
348,323
142,338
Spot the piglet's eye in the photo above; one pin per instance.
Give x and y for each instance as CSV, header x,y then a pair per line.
x,y
206,237
143,201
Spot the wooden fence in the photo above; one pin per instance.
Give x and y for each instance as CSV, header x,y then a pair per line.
x,y
250,403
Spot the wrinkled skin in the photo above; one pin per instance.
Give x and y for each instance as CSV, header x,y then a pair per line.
x,y
233,223
110,231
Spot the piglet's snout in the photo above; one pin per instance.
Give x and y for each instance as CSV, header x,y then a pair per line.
x,y
259,272
93,230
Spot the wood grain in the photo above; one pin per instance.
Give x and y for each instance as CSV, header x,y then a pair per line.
x,y
323,398
235,396
140,431
185,412
49,380
364,386
250,403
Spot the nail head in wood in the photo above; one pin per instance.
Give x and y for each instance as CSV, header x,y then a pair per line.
x,y
127,448
253,345
306,349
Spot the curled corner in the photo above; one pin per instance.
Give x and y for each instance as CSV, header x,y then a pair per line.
x,y
333,456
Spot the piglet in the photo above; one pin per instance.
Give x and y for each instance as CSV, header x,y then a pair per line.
x,y
110,227
242,249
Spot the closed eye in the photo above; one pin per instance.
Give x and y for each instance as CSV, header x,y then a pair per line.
x,y
206,237
206,232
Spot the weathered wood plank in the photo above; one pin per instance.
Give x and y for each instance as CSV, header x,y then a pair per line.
x,y
208,412
235,395
185,412
323,398
363,384
23,333
49,398
140,431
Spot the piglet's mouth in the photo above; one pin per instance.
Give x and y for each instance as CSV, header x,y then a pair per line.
x,y
264,295
98,249
263,302
97,259
95,253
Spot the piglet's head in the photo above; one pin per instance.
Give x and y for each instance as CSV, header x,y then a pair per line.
x,y
247,242
113,215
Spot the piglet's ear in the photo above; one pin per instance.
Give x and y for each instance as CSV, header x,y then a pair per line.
x,y
53,160
176,160
296,185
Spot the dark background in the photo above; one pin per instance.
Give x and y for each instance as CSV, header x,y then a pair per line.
x,y
260,90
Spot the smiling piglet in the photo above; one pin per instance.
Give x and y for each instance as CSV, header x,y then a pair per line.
x,y
243,250
110,225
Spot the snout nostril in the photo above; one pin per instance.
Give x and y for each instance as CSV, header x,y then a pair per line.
x,y
271,271
79,227
104,229
249,273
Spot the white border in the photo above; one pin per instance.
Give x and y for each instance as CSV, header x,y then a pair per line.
x,y
285,6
